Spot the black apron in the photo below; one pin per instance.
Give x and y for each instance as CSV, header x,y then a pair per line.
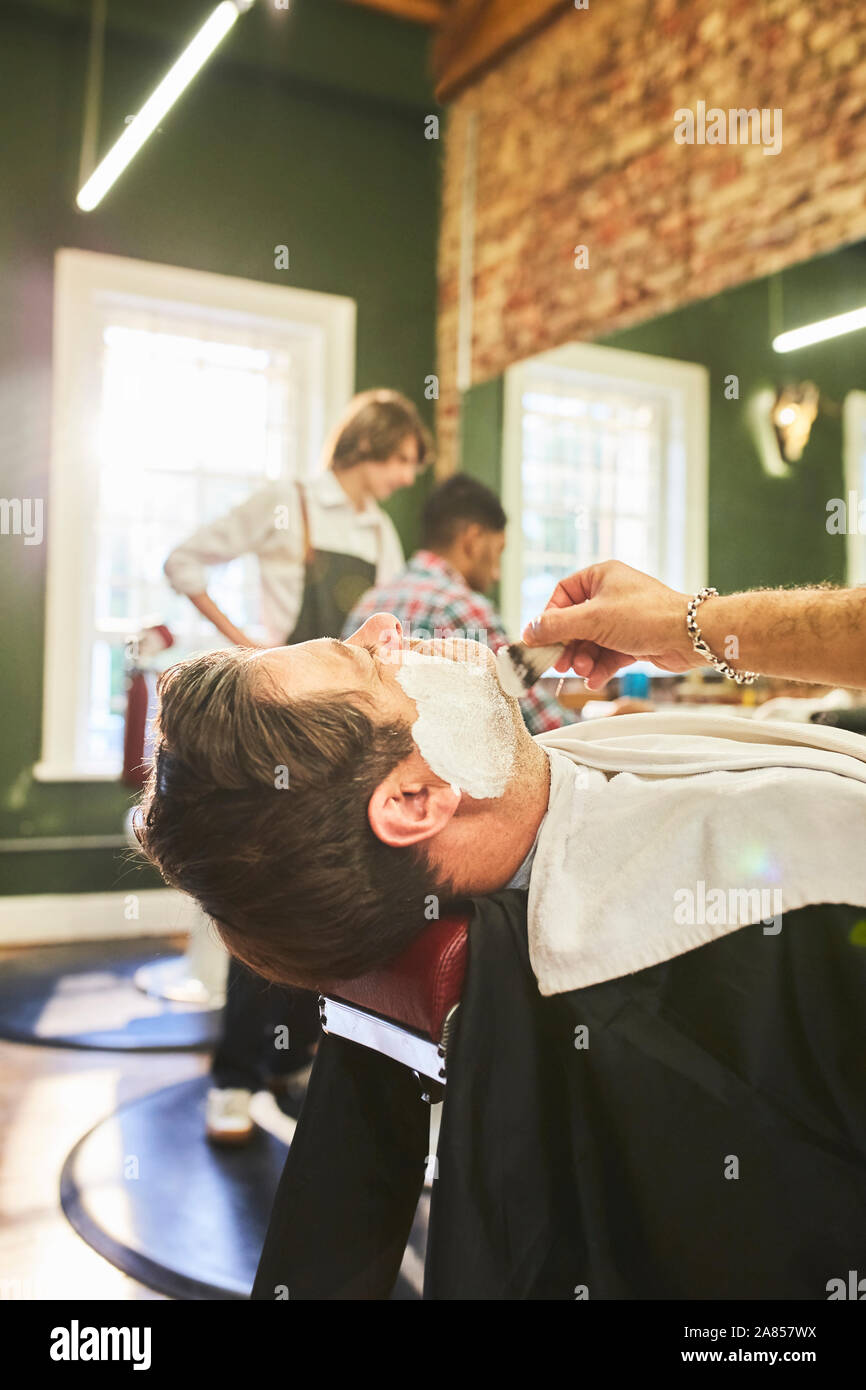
x,y
333,583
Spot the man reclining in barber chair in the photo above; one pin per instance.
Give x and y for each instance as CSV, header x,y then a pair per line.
x,y
654,1085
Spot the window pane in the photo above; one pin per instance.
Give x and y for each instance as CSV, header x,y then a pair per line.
x,y
592,477
194,417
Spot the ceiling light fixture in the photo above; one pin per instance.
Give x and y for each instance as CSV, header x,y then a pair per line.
x,y
178,77
819,332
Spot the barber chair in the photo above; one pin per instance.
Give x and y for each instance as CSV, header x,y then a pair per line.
x,y
407,1010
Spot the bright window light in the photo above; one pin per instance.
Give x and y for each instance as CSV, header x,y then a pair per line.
x,y
177,394
604,455
191,420
212,32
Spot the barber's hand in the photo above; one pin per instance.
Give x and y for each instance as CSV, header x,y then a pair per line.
x,y
610,615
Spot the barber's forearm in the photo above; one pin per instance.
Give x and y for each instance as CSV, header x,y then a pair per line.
x,y
806,634
206,606
609,613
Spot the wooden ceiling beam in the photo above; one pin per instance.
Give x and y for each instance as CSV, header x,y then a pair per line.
x,y
476,33
420,11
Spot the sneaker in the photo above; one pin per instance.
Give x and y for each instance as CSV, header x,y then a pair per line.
x,y
269,1114
227,1116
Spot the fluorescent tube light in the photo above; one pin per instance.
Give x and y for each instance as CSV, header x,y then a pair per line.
x,y
820,331
212,32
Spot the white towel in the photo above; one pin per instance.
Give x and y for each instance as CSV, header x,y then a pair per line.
x,y
659,827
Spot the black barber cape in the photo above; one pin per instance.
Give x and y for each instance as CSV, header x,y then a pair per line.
x,y
707,1141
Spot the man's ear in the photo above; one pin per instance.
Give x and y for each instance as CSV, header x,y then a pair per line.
x,y
470,535
404,812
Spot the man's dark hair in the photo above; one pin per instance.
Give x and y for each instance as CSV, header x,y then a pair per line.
x,y
257,807
456,503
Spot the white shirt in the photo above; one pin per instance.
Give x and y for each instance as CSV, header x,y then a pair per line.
x,y
270,525
523,875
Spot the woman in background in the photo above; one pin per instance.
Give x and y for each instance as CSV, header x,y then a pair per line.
x,y
320,545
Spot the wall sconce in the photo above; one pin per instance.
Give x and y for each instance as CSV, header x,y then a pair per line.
x,y
793,414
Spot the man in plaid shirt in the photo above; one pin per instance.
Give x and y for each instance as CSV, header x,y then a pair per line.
x,y
440,593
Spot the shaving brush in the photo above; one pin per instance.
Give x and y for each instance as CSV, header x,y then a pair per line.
x,y
519,666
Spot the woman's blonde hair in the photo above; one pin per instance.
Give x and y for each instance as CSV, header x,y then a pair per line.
x,y
372,428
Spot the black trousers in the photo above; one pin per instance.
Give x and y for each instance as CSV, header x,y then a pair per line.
x,y
259,1019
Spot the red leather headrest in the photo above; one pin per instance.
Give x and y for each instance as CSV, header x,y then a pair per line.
x,y
421,987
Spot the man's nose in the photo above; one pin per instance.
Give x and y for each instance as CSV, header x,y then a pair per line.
x,y
377,628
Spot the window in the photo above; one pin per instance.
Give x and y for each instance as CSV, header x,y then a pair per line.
x,y
854,449
604,457
176,395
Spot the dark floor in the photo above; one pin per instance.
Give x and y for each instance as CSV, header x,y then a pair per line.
x,y
50,1097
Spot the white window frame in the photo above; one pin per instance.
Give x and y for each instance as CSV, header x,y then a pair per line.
x,y
687,386
853,437
80,277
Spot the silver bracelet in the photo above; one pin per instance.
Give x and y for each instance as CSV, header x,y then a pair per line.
x,y
700,646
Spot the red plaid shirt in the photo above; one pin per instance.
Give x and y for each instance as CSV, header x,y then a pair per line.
x,y
432,599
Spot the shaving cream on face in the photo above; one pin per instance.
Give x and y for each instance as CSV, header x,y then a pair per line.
x,y
465,727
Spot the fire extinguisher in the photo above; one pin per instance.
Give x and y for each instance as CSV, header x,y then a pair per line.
x,y
140,698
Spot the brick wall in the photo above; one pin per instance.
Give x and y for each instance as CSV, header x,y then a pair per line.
x,y
575,145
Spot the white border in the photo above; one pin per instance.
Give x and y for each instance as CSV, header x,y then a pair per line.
x,y
79,275
688,380
45,918
853,432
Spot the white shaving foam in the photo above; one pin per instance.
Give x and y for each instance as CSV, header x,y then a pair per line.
x,y
465,726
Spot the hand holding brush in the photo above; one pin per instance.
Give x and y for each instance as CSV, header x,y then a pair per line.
x,y
597,621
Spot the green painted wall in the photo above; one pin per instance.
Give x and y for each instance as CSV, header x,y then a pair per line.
x,y
481,420
763,531
306,129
